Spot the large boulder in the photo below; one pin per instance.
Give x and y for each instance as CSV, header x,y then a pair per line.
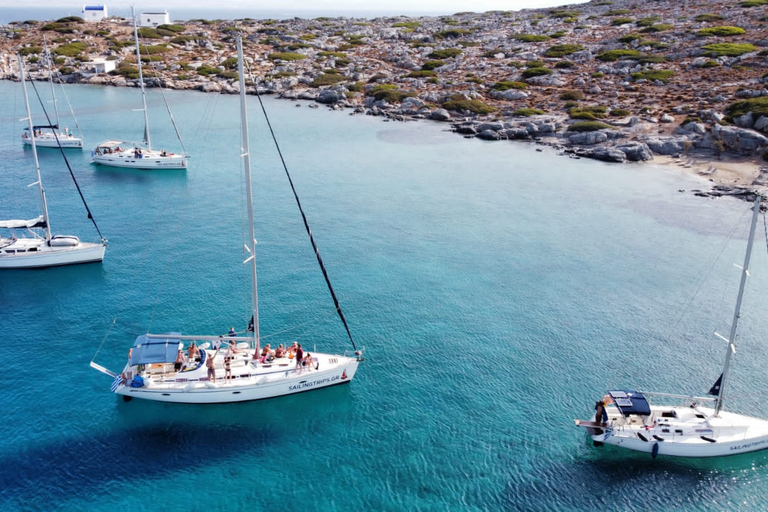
x,y
330,96
605,154
636,151
740,140
667,145
588,138
440,115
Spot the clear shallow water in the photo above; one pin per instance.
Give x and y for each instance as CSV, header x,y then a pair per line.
x,y
498,292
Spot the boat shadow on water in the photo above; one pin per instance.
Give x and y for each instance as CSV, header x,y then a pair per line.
x,y
155,440
594,481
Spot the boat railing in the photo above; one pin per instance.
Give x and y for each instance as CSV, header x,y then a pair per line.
x,y
690,398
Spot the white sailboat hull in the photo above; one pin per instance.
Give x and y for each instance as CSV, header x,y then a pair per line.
x,y
148,159
248,383
43,255
48,140
684,432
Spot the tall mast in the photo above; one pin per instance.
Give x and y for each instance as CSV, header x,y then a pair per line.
x,y
251,245
731,349
141,80
50,80
34,152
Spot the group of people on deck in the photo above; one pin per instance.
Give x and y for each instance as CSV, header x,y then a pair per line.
x,y
265,355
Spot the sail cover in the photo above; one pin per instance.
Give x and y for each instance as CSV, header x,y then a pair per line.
x,y
19,224
630,402
155,350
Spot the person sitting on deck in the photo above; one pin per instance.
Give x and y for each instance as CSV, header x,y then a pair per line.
x,y
307,363
162,153
179,361
266,354
292,350
279,352
232,345
601,415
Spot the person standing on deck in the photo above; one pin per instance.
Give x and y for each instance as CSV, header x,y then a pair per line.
x,y
299,357
209,363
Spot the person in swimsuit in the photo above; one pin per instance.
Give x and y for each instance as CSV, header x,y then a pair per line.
x,y
227,368
211,368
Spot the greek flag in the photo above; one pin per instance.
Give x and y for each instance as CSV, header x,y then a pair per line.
x,y
116,383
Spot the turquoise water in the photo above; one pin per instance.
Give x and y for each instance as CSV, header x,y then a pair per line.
x,y
497,290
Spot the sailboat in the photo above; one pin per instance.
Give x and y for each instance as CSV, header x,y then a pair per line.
x,y
229,367
697,426
50,136
137,155
31,243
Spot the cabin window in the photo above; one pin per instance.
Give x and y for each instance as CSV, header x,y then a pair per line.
x,y
667,414
700,416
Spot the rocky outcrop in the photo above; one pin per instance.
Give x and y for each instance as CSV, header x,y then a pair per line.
x,y
740,140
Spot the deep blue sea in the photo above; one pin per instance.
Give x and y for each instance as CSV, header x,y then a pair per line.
x,y
498,291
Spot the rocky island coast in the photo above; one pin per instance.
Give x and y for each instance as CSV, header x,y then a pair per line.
x,y
674,81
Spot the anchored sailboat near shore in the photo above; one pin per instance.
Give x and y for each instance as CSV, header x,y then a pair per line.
x,y
31,243
230,368
50,136
627,419
137,155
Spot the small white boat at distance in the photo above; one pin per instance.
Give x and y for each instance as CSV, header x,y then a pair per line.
x,y
137,155
690,426
234,368
30,243
50,136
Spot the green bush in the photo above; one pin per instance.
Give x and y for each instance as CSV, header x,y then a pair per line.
x,y
532,72
652,59
710,64
30,50
229,63
178,29
618,12
564,64
389,93
70,50
534,64
458,102
232,75
152,50
571,95
328,79
690,119
287,56
621,21
753,3
527,112
407,24
708,17
432,64
564,14
591,112
446,53
507,85
597,74
182,39
588,126
453,33
206,70
758,106
723,31
629,38
149,33
619,112
531,38
662,75
337,55
423,73
561,50
613,55
728,49
659,27
647,22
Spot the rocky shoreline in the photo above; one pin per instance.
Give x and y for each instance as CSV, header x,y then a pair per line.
x,y
611,80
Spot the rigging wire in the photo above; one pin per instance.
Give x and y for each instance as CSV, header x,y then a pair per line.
x,y
66,161
701,282
304,217
173,121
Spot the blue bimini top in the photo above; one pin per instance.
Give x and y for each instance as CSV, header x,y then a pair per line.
x,y
630,402
155,350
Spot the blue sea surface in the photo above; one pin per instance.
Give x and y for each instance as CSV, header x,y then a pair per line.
x,y
498,290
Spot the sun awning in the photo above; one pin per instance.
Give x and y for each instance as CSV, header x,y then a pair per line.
x,y
16,224
155,350
42,126
630,402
